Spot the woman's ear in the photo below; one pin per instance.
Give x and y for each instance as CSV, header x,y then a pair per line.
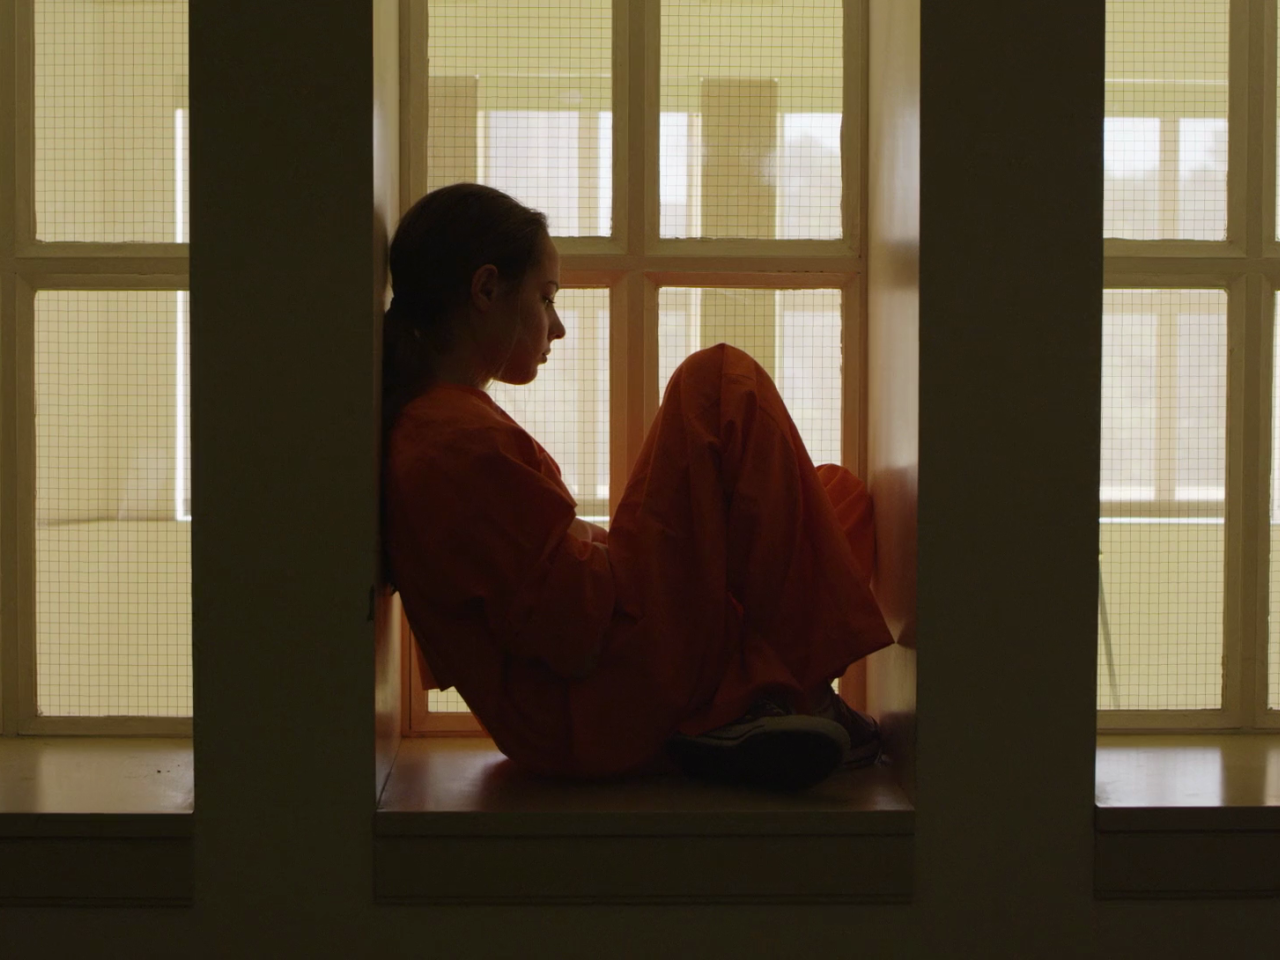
x,y
484,287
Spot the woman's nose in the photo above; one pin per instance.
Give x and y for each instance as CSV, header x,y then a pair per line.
x,y
557,329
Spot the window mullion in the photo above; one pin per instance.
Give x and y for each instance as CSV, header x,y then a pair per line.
x,y
853,349
9,562
1247,222
8,136
1252,178
1264,102
853,131
23,105
1263,146
1245,499
17,497
633,310
413,102
14,639
1256,690
17,555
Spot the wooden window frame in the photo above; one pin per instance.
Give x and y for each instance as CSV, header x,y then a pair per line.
x,y
635,262
1246,265
29,266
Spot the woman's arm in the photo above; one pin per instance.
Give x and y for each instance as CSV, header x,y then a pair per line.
x,y
585,530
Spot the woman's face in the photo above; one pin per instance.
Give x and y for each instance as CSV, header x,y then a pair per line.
x,y
535,323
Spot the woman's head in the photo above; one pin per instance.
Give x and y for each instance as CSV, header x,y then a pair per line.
x,y
474,275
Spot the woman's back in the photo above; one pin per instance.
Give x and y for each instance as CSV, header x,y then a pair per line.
x,y
508,607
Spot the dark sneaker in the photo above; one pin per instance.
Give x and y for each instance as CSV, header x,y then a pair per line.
x,y
770,746
865,746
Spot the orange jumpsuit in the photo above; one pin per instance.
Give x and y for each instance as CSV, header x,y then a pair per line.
x,y
732,568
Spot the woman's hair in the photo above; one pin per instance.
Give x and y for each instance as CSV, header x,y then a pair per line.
x,y
440,243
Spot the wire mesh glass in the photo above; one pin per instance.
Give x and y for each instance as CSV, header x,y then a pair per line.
x,y
794,334
1165,154
752,98
113,545
520,98
111,120
446,701
1162,492
566,408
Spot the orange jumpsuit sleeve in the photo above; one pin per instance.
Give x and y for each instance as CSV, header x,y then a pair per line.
x,y
547,595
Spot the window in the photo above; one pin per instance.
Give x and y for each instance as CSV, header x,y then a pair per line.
x,y
95,631
700,166
1188,402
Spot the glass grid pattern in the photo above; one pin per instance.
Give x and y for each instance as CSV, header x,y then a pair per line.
x,y
519,98
113,554
794,334
1165,155
446,701
110,120
1163,488
752,100
567,407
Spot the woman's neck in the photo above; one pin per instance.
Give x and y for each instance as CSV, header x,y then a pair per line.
x,y
457,367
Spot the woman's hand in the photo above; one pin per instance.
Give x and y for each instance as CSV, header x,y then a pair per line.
x,y
584,530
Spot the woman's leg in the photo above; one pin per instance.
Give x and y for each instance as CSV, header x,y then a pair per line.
x,y
725,512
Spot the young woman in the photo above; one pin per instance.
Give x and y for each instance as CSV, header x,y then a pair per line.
x,y
706,625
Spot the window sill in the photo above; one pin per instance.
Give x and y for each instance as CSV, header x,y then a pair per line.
x,y
1187,816
95,821
492,835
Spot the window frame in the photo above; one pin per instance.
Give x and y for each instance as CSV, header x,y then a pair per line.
x,y
1246,265
635,262
29,266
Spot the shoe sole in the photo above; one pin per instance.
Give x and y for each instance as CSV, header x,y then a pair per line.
x,y
776,757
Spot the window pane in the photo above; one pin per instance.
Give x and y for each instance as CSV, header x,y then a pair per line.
x,y
1163,482
751,106
1166,129
794,334
113,567
566,408
446,701
519,97
110,111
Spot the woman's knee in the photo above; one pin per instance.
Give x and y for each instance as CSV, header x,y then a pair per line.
x,y
711,363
